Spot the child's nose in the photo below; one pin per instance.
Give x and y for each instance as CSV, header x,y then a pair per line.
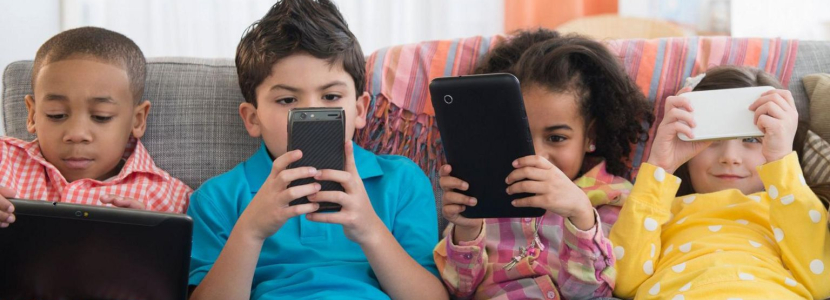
x,y
77,131
731,152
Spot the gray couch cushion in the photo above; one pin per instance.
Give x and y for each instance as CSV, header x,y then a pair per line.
x,y
812,57
193,132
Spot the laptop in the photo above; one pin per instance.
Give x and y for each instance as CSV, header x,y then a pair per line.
x,y
69,251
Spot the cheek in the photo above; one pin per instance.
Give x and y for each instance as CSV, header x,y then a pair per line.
x,y
569,160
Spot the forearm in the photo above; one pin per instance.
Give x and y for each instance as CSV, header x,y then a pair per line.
x,y
232,274
400,276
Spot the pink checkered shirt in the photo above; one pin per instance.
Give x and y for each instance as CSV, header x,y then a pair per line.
x,y
24,169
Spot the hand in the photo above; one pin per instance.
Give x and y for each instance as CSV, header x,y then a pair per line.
x,y
269,209
777,117
6,208
122,202
667,150
555,192
356,214
454,203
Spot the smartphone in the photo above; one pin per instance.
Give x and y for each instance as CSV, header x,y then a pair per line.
x,y
724,114
483,128
320,133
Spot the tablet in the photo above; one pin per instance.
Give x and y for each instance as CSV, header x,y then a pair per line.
x,y
484,128
724,114
69,251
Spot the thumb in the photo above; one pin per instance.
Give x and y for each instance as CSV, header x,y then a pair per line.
x,y
349,164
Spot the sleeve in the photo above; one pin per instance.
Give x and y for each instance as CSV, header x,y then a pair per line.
x,y
462,266
211,229
415,221
636,234
587,262
8,178
799,224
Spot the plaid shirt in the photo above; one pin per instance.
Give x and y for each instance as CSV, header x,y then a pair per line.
x,y
24,169
578,264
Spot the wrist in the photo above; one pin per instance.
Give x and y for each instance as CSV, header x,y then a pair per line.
x,y
466,233
665,166
777,156
584,219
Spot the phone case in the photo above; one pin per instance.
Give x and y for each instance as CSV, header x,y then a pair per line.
x,y
483,128
724,114
320,134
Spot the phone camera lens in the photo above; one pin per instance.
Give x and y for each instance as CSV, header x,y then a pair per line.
x,y
78,213
302,116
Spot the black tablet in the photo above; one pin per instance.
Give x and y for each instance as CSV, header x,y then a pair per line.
x,y
69,251
484,128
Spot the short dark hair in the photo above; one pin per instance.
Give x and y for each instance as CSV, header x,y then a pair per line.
x,y
100,43
571,63
315,27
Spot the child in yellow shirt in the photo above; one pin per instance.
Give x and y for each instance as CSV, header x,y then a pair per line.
x,y
751,228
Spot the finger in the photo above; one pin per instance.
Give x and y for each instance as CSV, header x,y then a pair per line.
x,y
296,192
4,225
349,164
528,186
771,98
679,114
766,124
679,127
4,216
532,201
342,177
770,109
128,203
450,183
330,196
6,205
452,211
678,102
9,219
786,95
535,161
445,170
282,162
7,192
302,209
527,173
684,90
457,198
332,218
284,178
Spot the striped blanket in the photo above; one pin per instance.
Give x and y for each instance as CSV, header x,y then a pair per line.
x,y
401,118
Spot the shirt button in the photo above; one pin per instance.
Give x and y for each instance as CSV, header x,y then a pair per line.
x,y
468,256
551,295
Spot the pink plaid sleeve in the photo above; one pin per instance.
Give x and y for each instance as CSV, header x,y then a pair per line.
x,y
587,262
462,266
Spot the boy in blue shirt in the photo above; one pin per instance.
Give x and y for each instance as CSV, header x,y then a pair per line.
x,y
248,243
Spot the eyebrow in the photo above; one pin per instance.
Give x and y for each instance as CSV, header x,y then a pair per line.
x,y
295,89
558,127
62,98
103,100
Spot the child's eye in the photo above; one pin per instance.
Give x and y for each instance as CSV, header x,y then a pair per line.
x,y
752,140
557,138
331,97
287,101
56,117
101,119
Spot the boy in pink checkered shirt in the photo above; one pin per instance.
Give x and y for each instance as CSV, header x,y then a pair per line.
x,y
584,113
88,115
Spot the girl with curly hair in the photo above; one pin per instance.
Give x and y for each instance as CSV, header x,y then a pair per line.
x,y
584,113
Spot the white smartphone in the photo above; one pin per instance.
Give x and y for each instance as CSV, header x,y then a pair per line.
x,y
724,114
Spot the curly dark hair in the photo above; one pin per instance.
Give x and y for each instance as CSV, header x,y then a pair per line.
x,y
607,97
315,27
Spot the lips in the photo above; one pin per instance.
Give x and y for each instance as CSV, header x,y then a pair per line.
x,y
729,177
77,162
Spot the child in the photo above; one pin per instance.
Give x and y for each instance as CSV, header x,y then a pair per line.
x,y
88,116
583,113
754,229
249,244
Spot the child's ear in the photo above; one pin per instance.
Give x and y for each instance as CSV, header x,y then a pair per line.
x,y
247,112
361,110
30,120
590,137
140,113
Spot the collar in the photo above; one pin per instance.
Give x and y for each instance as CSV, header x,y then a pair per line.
x,y
258,166
136,156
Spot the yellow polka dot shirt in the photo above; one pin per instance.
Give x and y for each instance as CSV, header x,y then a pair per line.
x,y
723,245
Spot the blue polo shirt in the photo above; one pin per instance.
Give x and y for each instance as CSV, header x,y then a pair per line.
x,y
306,259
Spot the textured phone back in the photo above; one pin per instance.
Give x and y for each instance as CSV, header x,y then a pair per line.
x,y
321,142
484,128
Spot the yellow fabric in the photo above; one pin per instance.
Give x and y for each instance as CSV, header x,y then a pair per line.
x,y
768,245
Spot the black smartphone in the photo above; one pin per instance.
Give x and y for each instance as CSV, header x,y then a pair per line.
x,y
320,133
483,128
